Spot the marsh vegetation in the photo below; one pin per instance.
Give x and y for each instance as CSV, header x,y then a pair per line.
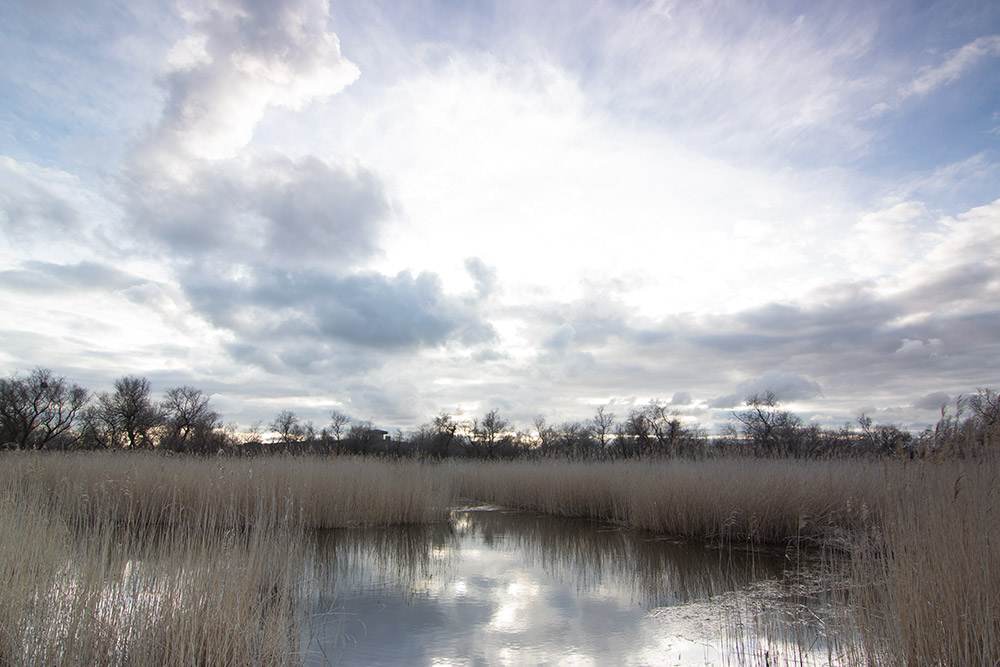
x,y
133,554
131,559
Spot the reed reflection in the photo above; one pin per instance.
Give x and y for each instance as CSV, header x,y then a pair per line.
x,y
655,571
533,588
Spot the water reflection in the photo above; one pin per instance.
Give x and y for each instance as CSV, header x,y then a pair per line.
x,y
496,587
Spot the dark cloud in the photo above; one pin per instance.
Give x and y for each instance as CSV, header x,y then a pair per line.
x,y
727,401
270,307
680,398
785,386
321,211
268,247
969,281
836,344
261,209
401,311
932,401
478,333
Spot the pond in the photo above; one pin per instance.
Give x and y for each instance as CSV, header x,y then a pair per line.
x,y
496,587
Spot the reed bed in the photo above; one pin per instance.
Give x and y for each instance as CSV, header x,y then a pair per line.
x,y
122,559
143,559
108,593
926,580
732,500
154,490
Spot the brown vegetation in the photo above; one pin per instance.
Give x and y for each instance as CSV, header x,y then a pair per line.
x,y
141,558
926,589
739,499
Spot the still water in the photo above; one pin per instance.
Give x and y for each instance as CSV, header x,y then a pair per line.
x,y
493,587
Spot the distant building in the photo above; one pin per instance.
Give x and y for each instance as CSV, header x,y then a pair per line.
x,y
378,435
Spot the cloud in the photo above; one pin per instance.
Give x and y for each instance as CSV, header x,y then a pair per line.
x,y
46,277
270,248
786,386
964,240
917,348
484,277
739,77
885,239
955,65
561,339
256,208
549,208
240,57
45,208
681,398
310,307
932,401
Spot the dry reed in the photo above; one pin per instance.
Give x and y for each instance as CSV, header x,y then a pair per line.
x,y
143,559
153,490
752,500
107,593
138,560
927,579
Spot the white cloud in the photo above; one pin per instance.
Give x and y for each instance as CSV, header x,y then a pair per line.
x,y
955,65
744,80
239,58
49,214
511,164
884,240
656,203
959,271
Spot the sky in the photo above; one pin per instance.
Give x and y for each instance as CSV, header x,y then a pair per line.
x,y
394,209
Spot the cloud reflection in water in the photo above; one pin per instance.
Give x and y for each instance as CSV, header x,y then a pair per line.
x,y
512,588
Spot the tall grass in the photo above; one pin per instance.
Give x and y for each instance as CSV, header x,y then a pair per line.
x,y
153,490
927,578
140,560
751,500
144,559
107,592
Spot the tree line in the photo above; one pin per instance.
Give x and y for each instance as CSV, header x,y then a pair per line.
x,y
41,410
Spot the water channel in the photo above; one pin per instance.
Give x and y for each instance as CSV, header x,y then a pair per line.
x,y
496,587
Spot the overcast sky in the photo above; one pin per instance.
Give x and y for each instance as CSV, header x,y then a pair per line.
x,y
397,208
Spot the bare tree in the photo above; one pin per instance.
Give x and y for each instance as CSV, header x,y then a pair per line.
x,y
986,406
445,430
767,428
338,425
603,422
637,434
576,439
127,417
190,420
286,425
547,436
361,437
884,438
487,433
38,410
